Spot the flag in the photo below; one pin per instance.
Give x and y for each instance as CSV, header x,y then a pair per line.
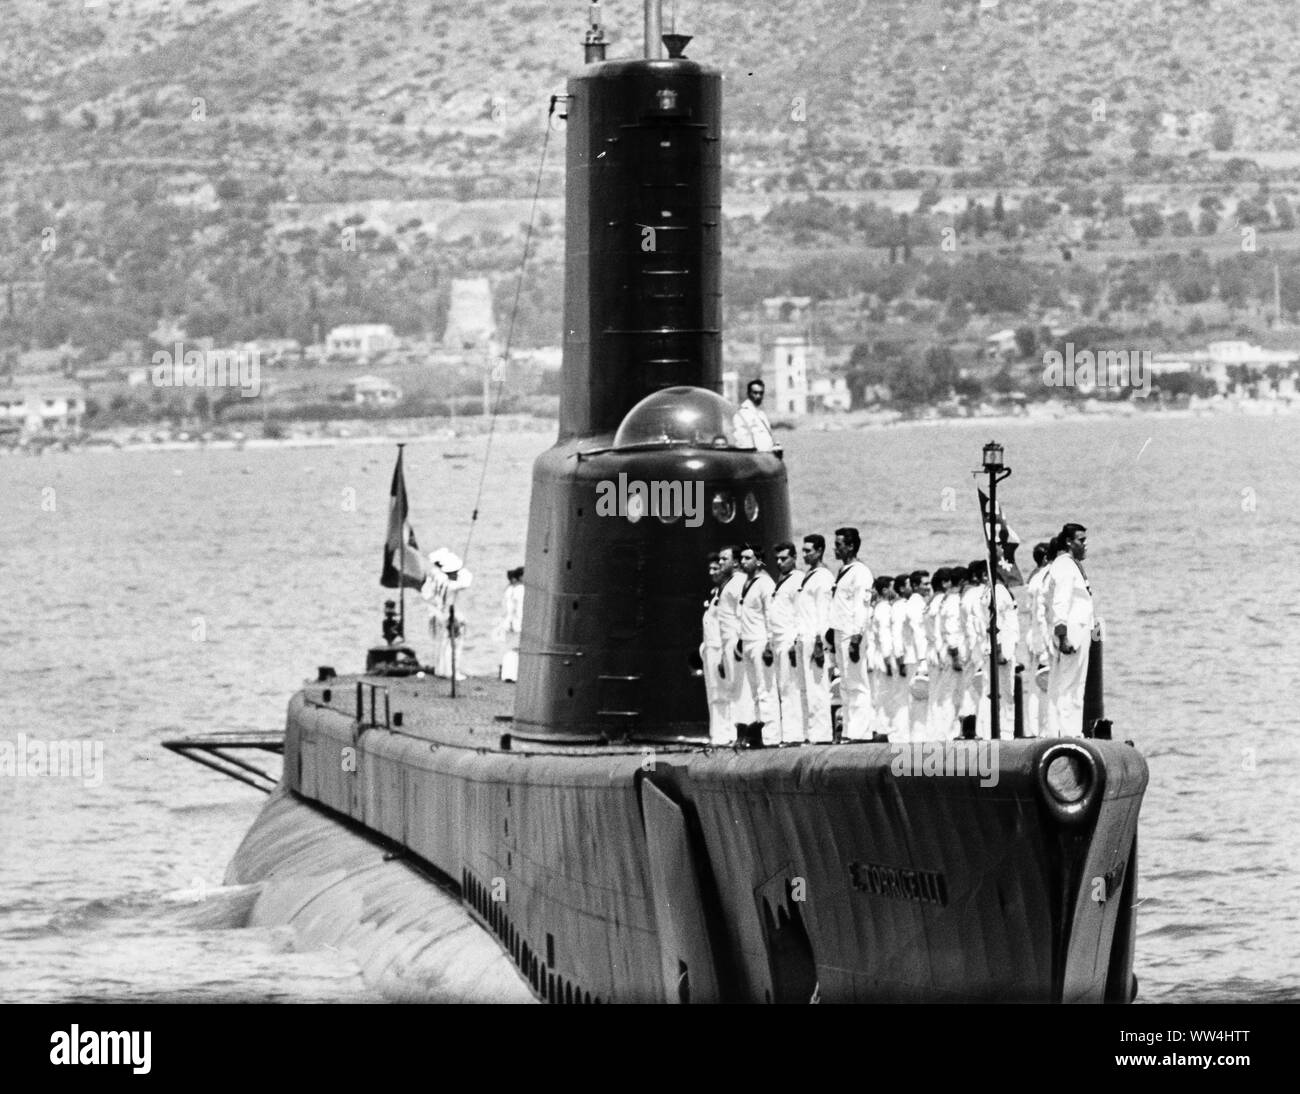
x,y
1007,541
403,566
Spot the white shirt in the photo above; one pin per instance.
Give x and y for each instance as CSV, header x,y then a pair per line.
x,y
850,599
752,428
934,634
440,590
1031,604
1008,621
975,622
1068,600
814,601
755,608
784,619
882,633
512,604
952,632
729,609
916,639
712,629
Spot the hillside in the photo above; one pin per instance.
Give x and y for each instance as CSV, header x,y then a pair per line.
x,y
272,168
387,98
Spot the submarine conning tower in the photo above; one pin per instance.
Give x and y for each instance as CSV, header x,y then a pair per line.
x,y
646,477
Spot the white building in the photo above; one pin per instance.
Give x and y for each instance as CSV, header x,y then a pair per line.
x,y
1002,345
36,407
361,340
1217,358
830,393
373,391
787,376
470,324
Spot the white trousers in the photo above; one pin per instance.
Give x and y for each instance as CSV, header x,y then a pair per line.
x,y
945,683
971,691
855,690
814,692
918,710
789,690
1065,683
510,665
1006,704
759,692
1035,701
894,702
721,730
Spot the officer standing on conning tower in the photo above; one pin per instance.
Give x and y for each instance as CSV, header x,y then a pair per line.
x,y
813,608
750,424
849,610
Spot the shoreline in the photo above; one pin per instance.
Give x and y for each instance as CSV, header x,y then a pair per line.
x,y
832,422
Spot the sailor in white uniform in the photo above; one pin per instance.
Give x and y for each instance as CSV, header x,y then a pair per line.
x,y
813,612
975,623
755,645
1070,625
1008,640
720,727
728,668
849,610
784,621
446,578
916,656
750,424
512,623
1034,646
949,656
881,656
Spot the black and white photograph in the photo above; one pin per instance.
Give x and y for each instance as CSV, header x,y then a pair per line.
x,y
652,501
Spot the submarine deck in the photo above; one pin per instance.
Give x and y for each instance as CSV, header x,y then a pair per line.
x,y
479,716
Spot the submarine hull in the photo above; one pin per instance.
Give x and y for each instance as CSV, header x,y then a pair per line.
x,y
842,873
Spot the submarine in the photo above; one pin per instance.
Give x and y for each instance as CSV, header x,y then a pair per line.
x,y
576,838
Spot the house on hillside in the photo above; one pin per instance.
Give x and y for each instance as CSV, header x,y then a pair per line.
x,y
361,340
1002,345
830,393
470,322
786,309
32,406
372,391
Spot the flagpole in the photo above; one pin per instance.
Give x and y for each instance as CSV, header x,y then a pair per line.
x,y
401,547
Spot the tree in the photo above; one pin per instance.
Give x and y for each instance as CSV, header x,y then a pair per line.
x,y
1221,132
1285,215
1003,382
1026,341
999,209
1208,223
230,189
1180,224
1112,201
1147,223
948,150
